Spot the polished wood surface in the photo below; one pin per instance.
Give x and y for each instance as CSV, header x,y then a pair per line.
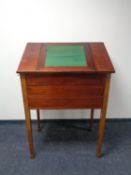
x,y
27,116
103,116
65,91
65,87
97,58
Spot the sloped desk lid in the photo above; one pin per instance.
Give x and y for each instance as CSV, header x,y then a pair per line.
x,y
82,58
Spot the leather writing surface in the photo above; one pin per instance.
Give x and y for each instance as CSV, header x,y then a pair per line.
x,y
62,56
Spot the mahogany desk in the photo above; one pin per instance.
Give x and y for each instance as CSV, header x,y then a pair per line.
x,y
84,87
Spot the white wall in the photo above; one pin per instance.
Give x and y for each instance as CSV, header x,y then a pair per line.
x,y
23,21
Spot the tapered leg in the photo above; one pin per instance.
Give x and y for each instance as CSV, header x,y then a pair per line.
x,y
91,119
103,117
27,117
29,133
38,120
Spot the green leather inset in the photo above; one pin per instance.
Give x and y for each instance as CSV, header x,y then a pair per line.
x,y
64,56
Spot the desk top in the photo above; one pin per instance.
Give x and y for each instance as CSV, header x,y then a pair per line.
x,y
65,57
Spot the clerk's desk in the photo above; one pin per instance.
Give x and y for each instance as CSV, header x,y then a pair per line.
x,y
65,87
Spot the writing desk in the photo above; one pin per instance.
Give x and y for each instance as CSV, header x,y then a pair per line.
x,y
49,86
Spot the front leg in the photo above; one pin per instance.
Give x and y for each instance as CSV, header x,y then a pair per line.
x,y
27,116
103,116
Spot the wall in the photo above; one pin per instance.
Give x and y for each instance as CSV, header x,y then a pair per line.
x,y
65,20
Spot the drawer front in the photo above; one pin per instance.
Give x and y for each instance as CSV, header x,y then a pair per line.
x,y
74,91
65,79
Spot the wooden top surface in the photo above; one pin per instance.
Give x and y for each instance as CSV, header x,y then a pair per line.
x,y
33,59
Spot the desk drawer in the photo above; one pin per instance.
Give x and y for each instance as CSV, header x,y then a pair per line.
x,y
64,79
65,91
39,102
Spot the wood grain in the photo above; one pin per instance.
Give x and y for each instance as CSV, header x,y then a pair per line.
x,y
40,102
103,116
101,59
30,58
65,79
65,91
27,116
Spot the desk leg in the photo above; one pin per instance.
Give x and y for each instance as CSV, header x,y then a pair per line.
x,y
27,116
38,119
103,117
91,119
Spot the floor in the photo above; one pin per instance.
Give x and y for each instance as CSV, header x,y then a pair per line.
x,y
65,148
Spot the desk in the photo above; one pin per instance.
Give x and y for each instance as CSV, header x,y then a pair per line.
x,y
65,87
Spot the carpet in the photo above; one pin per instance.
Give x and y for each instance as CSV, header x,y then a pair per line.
x,y
65,148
